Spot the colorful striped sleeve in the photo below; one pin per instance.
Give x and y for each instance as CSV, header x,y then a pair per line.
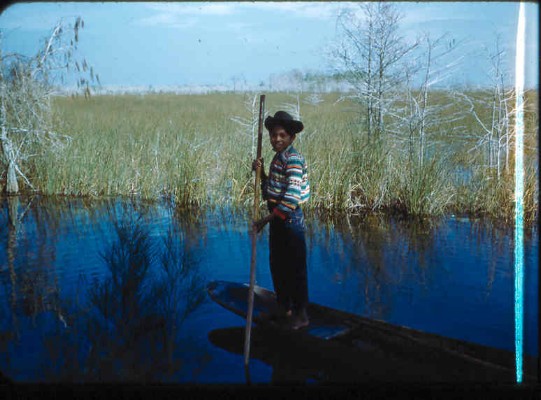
x,y
292,195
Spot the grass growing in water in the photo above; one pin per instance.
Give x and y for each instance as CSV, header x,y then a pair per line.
x,y
188,149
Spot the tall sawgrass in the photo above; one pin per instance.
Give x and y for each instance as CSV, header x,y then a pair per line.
x,y
425,190
187,148
152,146
488,195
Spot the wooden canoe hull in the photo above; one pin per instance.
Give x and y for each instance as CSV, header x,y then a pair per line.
x,y
368,349
234,297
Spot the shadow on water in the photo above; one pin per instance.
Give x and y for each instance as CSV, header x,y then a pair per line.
x,y
121,326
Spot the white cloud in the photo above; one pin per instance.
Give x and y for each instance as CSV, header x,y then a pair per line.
x,y
191,8
173,10
170,20
182,15
310,10
474,12
172,14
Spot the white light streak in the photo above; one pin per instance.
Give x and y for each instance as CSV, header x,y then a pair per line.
x,y
519,192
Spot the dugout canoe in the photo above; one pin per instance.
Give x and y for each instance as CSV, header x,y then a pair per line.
x,y
362,348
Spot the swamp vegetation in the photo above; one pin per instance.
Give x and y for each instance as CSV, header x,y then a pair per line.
x,y
392,142
130,202
191,150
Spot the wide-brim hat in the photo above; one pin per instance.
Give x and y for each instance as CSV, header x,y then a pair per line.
x,y
286,121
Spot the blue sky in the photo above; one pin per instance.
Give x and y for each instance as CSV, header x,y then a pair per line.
x,y
213,43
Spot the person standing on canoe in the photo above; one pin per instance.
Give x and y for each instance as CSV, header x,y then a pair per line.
x,y
285,189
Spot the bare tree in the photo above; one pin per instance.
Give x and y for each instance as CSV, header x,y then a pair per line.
x,y
293,106
370,56
248,125
492,111
419,116
27,85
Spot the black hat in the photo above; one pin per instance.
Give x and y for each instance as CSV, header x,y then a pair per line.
x,y
286,121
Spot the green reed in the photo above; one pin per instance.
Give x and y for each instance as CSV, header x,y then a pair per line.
x,y
188,149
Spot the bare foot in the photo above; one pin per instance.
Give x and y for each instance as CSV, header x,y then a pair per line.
x,y
299,322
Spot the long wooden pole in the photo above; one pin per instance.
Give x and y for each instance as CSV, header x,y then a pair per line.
x,y
254,236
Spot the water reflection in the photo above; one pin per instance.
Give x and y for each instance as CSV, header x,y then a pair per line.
x,y
289,366
112,290
31,291
119,326
365,356
140,308
376,253
451,276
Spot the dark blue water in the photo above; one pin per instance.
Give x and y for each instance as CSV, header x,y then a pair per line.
x,y
114,291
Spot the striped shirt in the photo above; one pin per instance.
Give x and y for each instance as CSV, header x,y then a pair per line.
x,y
287,185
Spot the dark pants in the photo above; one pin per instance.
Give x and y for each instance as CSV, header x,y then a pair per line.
x,y
288,260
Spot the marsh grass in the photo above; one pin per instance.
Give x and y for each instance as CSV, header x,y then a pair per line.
x,y
425,190
187,148
487,195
